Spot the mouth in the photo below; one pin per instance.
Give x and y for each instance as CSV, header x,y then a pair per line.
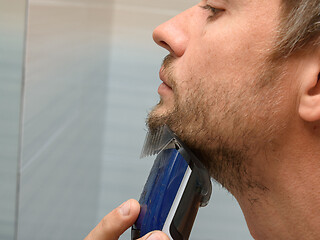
x,y
163,77
165,86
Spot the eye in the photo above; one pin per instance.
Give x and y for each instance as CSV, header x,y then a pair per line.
x,y
212,10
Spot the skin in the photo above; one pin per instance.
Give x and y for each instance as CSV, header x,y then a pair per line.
x,y
253,122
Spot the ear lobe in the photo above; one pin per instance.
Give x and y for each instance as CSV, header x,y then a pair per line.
x,y
309,107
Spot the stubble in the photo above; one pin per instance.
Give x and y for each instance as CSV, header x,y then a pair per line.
x,y
225,128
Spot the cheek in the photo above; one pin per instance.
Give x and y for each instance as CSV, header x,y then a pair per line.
x,y
230,53
213,63
220,56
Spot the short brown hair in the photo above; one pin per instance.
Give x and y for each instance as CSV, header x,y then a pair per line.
x,y
300,26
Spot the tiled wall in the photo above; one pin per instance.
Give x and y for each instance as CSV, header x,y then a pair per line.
x,y
63,117
12,25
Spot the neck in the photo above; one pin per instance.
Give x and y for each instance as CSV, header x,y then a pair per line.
x,y
289,208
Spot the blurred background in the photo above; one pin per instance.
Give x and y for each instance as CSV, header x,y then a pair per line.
x,y
77,79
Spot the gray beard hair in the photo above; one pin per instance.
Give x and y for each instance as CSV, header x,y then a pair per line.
x,y
226,143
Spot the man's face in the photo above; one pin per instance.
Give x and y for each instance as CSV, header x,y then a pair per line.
x,y
221,94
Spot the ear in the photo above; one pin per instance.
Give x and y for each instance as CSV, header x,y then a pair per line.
x,y
309,107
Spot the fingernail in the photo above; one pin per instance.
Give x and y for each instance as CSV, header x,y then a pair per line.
x,y
125,208
154,236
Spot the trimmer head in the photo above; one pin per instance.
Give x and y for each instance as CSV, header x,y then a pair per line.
x,y
178,184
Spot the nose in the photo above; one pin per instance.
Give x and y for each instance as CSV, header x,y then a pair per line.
x,y
173,35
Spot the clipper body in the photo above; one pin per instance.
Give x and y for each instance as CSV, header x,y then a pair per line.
x,y
178,184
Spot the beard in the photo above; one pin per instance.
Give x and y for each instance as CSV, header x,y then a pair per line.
x,y
227,127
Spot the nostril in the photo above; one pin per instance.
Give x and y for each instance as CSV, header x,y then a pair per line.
x,y
163,43
166,46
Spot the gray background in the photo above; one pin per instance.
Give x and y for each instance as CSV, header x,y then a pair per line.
x,y
87,71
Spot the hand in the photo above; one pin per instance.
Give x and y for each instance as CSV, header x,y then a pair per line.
x,y
118,221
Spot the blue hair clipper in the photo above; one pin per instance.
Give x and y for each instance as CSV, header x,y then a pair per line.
x,y
178,184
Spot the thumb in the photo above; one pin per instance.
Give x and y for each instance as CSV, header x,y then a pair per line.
x,y
116,222
156,235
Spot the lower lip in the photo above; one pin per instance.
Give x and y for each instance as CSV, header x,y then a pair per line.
x,y
164,88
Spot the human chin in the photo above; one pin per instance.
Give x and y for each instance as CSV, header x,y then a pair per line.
x,y
158,115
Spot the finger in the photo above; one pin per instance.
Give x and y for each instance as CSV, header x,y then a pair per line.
x,y
156,235
116,222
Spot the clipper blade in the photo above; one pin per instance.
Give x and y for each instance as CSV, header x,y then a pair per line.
x,y
156,141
